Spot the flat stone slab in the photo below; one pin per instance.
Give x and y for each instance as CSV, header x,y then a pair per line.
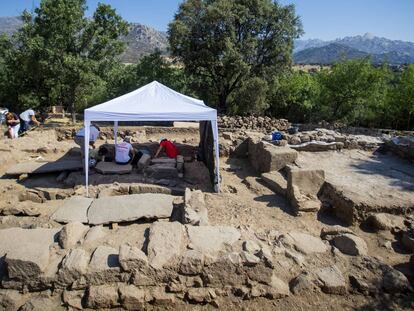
x,y
211,239
106,168
130,207
44,167
308,244
73,209
26,250
163,161
166,243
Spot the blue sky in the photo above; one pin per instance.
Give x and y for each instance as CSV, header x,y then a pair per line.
x,y
323,19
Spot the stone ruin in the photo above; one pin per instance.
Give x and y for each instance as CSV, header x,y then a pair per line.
x,y
179,258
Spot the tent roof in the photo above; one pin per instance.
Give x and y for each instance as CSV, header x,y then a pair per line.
x,y
152,102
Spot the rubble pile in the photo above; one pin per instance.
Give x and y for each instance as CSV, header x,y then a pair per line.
x,y
264,124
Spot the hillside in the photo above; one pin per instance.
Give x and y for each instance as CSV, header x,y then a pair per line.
x,y
327,54
141,40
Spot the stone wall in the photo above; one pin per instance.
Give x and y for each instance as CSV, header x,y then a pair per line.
x,y
263,124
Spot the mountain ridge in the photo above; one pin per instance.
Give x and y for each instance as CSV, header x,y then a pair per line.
x,y
380,49
141,39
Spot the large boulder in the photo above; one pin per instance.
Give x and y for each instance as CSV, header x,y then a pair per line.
x,y
166,243
195,210
276,182
74,265
211,239
71,234
303,187
393,281
27,251
350,244
132,258
265,157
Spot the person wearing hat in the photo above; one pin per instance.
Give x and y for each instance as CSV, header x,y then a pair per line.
x,y
168,147
124,152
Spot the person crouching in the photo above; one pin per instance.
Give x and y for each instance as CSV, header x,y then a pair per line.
x,y
124,152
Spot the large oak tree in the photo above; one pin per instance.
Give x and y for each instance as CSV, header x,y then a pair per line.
x,y
232,49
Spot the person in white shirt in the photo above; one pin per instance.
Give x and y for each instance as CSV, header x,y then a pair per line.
x,y
93,136
26,118
124,152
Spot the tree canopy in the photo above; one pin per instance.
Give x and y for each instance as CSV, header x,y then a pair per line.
x,y
62,57
232,47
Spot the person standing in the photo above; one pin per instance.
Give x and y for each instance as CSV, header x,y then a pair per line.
x,y
124,152
27,117
168,147
93,136
13,124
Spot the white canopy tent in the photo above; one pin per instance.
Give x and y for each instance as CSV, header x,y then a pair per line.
x,y
152,102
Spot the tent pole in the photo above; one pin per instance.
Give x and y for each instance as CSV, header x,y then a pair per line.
x,y
87,125
116,132
217,153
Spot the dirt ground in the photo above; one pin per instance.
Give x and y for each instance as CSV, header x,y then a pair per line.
x,y
249,206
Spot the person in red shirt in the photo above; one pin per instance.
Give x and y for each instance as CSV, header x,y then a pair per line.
x,y
169,148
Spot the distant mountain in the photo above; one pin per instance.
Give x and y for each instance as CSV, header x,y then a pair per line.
x,y
327,54
141,40
381,49
9,25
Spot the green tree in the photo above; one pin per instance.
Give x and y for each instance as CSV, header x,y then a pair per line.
x,y
401,100
150,67
353,91
227,46
294,96
62,57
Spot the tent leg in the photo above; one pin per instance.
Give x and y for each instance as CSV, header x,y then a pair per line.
x,y
116,132
87,125
217,154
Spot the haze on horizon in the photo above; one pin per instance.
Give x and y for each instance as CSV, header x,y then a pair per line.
x,y
322,19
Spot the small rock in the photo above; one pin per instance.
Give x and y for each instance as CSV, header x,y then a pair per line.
x,y
160,297
350,244
132,297
279,288
192,262
302,283
73,298
383,221
249,259
132,258
305,243
199,295
251,247
333,282
71,234
103,296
